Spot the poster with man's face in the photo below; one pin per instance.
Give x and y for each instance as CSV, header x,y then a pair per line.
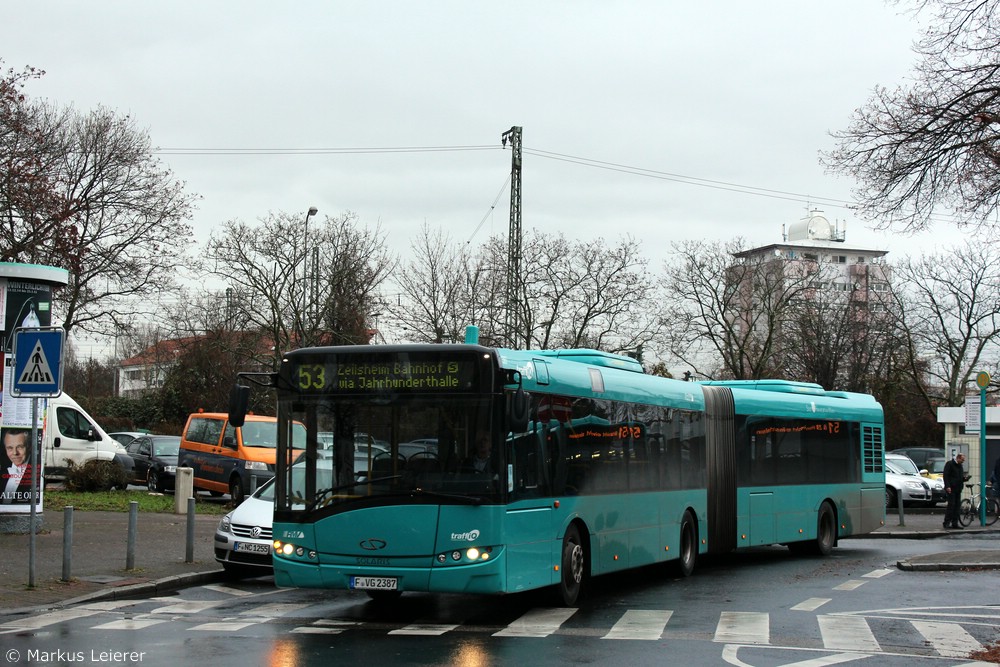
x,y
15,469
25,304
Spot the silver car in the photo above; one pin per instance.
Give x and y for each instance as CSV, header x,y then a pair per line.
x,y
243,538
904,483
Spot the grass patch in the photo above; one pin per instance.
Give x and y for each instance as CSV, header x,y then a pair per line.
x,y
118,501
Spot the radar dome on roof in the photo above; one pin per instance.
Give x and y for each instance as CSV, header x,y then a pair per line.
x,y
815,226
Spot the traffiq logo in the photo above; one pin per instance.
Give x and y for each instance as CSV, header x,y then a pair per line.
x,y
470,536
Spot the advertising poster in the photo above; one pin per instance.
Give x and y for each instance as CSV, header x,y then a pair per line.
x,y
15,470
25,304
22,304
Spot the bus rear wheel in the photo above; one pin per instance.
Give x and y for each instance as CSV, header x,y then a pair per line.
x,y
573,567
826,534
688,546
826,531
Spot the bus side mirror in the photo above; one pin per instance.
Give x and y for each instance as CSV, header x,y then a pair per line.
x,y
239,398
518,411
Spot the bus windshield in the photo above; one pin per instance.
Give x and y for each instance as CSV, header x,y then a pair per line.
x,y
407,446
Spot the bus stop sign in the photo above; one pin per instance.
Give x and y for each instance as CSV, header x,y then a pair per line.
x,y
38,356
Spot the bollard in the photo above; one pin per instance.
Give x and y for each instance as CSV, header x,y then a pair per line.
x,y
183,489
189,549
899,506
67,542
133,520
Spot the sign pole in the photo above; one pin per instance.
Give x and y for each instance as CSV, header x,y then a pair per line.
x,y
982,381
33,459
38,357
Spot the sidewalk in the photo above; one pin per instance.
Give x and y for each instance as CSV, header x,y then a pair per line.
x,y
99,557
100,546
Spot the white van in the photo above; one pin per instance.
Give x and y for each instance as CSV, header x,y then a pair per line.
x,y
70,434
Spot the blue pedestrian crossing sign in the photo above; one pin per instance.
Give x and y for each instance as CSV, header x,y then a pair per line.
x,y
38,356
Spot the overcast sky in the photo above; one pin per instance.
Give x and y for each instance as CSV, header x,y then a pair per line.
x,y
742,95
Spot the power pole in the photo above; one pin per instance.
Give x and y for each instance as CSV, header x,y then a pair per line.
x,y
514,328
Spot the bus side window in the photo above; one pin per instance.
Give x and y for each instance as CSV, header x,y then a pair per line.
x,y
528,460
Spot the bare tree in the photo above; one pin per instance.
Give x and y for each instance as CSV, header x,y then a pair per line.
x,y
84,192
586,294
842,340
431,281
952,318
330,300
575,294
724,316
31,207
934,145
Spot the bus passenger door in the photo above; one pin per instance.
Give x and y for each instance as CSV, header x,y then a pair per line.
x,y
530,521
762,530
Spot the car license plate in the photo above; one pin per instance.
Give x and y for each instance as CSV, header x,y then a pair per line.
x,y
374,583
250,547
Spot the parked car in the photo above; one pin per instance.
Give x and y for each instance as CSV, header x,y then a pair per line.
x,y
429,445
904,483
933,472
155,458
125,437
243,538
919,455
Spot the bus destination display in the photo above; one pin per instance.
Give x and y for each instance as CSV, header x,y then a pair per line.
x,y
435,375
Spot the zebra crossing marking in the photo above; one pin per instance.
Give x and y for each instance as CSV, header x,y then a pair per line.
x,y
743,627
274,610
224,626
229,590
948,639
877,574
640,624
847,633
187,606
130,624
425,629
812,604
324,626
49,618
537,623
850,585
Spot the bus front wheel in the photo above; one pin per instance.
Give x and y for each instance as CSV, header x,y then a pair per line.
x,y
573,567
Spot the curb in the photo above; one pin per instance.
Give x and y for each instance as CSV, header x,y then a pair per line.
x,y
945,567
146,588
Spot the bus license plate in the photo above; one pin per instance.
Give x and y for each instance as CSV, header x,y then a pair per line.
x,y
250,547
374,583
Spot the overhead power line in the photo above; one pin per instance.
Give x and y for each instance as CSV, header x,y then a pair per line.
x,y
689,180
322,151
550,155
489,212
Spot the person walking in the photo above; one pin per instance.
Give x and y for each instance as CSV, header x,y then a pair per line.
x,y
954,477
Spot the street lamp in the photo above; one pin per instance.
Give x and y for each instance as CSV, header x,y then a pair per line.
x,y
305,270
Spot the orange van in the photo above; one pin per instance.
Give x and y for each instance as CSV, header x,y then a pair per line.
x,y
228,459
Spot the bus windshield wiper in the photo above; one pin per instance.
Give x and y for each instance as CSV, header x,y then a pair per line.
x,y
469,500
322,495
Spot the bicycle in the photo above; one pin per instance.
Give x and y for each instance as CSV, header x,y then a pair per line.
x,y
968,510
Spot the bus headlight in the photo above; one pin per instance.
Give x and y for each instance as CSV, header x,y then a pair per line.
x,y
470,555
288,549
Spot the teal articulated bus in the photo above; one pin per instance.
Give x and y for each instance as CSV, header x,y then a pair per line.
x,y
547,467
